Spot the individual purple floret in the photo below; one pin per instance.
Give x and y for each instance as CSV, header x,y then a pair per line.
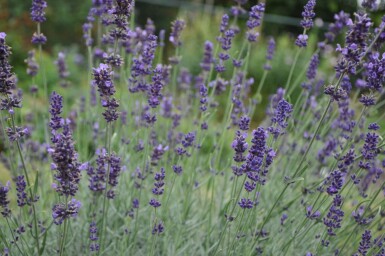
x,y
308,15
334,217
246,203
365,243
135,203
37,10
176,30
20,188
103,76
60,212
4,202
283,218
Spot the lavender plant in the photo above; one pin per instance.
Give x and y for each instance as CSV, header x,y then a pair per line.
x,y
154,158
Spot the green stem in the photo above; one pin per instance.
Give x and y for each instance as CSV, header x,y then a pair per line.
x,y
299,50
13,236
64,232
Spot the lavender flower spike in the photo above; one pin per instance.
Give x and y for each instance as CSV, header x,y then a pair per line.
x,y
308,14
103,76
37,10
4,202
7,82
177,27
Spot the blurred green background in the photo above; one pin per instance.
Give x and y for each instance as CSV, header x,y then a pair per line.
x,y
65,18
63,29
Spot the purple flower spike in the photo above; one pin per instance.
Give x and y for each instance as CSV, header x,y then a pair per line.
x,y
334,217
103,76
4,202
20,188
365,243
7,81
32,65
55,110
176,30
308,15
208,58
37,10
255,15
270,53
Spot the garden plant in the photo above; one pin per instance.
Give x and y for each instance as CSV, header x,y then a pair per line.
x,y
140,155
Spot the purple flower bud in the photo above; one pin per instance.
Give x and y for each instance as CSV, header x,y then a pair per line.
x,y
38,39
301,40
246,203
